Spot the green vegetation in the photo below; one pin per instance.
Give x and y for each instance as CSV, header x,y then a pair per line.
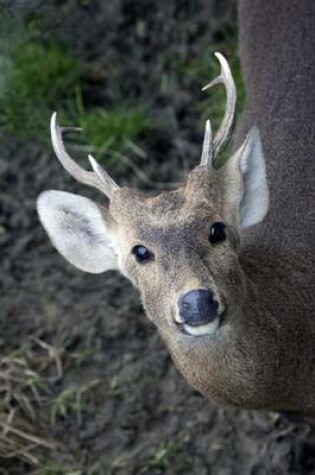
x,y
163,455
111,130
29,401
72,401
53,468
40,76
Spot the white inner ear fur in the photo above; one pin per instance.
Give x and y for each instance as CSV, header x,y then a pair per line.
x,y
78,230
255,201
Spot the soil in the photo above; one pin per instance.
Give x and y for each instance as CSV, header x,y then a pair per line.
x,y
144,418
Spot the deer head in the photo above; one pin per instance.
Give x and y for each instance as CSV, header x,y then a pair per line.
x,y
180,248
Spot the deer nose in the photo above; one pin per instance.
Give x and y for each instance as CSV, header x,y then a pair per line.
x,y
198,307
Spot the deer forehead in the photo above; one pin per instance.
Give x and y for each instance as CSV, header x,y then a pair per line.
x,y
169,216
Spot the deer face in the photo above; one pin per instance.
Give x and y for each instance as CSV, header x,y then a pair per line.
x,y
179,248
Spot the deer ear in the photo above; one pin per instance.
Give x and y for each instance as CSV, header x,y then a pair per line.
x,y
245,184
79,229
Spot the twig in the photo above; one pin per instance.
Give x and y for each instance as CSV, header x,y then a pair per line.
x,y
24,435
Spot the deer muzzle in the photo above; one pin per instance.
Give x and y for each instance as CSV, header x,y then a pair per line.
x,y
197,312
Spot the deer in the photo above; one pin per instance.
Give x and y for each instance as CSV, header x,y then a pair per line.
x,y
225,262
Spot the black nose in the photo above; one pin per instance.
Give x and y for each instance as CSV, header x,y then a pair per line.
x,y
198,307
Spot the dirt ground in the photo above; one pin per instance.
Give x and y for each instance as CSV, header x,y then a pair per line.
x,y
107,398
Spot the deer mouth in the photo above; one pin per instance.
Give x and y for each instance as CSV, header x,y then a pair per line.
x,y
200,330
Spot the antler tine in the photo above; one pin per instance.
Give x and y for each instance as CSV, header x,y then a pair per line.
x,y
225,77
207,147
98,179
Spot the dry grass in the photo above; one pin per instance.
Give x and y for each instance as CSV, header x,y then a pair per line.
x,y
22,391
30,407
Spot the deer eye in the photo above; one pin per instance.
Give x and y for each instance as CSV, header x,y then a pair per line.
x,y
142,254
217,233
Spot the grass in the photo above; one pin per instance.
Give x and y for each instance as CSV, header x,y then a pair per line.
x,y
22,389
73,401
53,468
109,130
28,402
113,128
40,76
163,455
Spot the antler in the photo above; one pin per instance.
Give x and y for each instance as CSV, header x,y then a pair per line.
x,y
98,178
211,149
207,147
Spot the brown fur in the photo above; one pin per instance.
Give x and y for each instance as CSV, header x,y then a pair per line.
x,y
264,352
277,49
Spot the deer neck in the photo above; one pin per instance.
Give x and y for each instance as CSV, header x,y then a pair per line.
x,y
246,362
259,357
